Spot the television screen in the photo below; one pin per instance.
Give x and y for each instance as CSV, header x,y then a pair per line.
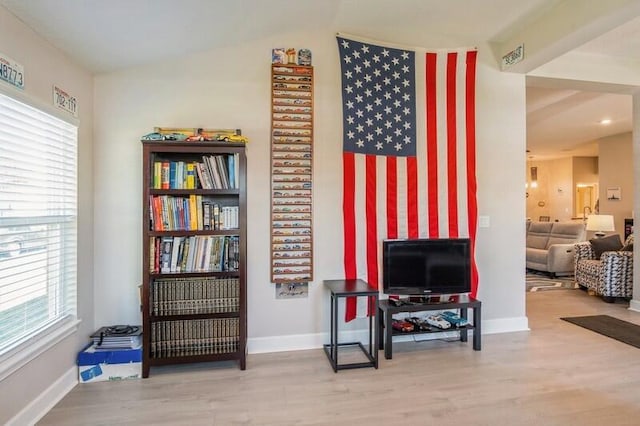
x,y
426,266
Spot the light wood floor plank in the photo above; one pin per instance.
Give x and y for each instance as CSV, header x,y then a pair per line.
x,y
556,374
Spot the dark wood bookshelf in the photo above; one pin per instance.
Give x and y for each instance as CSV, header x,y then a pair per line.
x,y
217,330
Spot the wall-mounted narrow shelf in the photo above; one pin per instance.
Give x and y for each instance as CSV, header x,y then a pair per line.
x,y
291,173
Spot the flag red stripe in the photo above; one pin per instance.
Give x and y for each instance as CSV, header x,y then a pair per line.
x,y
392,197
349,218
371,194
432,144
472,184
452,140
412,197
371,203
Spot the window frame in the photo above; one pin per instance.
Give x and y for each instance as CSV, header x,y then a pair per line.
x,y
46,338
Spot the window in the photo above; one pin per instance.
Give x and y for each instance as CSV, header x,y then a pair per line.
x,y
38,224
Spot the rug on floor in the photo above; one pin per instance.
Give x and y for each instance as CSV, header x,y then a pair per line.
x,y
606,325
542,282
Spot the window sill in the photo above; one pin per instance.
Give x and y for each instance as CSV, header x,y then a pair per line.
x,y
29,350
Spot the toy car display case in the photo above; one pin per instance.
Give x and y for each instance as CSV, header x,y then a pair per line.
x,y
291,173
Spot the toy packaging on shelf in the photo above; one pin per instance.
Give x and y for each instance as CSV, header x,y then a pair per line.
x,y
96,365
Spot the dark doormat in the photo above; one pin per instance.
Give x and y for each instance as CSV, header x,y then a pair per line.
x,y
615,328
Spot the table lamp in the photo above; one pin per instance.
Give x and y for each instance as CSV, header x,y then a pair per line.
x,y
600,223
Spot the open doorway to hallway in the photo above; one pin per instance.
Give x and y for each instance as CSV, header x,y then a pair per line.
x,y
580,145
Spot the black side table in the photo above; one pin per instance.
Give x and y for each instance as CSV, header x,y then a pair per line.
x,y
346,288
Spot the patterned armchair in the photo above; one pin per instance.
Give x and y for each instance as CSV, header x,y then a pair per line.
x,y
609,277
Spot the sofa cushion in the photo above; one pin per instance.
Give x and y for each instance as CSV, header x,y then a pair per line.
x,y
609,243
538,256
538,234
566,233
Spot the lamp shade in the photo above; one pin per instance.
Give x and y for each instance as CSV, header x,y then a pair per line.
x,y
600,222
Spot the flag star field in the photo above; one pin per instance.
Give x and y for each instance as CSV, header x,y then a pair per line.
x,y
378,99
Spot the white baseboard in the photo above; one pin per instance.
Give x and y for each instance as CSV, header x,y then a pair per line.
x,y
300,342
40,406
505,325
634,305
295,342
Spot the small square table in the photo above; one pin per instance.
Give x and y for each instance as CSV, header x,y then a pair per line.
x,y
348,288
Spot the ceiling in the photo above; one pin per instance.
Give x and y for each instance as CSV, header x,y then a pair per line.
x,y
105,36
568,122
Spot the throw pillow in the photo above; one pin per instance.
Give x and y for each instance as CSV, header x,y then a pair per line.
x,y
608,243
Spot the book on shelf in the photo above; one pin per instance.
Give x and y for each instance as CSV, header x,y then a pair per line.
x,y
191,176
175,251
199,213
172,174
231,170
164,175
222,169
165,254
157,175
206,215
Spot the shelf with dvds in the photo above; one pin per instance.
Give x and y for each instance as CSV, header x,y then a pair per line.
x,y
194,253
291,173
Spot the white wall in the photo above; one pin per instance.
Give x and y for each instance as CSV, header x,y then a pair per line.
x,y
616,170
231,88
43,67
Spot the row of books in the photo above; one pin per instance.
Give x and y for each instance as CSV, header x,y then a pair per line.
x,y
194,337
214,172
192,213
197,253
202,295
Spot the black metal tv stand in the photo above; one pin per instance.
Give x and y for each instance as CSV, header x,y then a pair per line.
x,y
462,302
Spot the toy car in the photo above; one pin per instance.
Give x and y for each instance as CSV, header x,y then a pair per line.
x,y
419,323
155,136
232,137
438,321
175,137
453,318
402,326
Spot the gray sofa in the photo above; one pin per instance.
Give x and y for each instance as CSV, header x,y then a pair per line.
x,y
550,246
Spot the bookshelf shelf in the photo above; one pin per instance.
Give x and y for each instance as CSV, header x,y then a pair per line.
x,y
194,253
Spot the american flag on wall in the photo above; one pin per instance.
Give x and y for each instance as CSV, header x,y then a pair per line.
x,y
409,166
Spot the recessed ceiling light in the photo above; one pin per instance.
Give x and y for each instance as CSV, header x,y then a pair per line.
x,y
605,121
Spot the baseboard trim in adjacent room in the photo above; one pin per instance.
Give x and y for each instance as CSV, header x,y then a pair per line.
x,y
634,305
40,406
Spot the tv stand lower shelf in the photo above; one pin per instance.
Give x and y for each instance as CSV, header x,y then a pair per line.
x,y
387,310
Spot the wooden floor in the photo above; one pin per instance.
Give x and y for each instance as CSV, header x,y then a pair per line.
x,y
556,374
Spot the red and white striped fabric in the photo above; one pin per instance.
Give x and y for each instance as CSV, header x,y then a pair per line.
x,y
429,195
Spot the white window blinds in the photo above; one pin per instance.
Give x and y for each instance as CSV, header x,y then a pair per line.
x,y
38,222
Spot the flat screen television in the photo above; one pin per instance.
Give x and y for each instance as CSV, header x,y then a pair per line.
x,y
426,266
